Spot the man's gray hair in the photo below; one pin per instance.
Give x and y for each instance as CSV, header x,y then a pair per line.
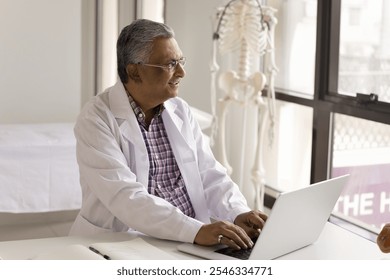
x,y
135,43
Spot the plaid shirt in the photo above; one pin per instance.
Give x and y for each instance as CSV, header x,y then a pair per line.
x,y
165,179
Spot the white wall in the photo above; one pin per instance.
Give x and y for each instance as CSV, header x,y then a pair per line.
x,y
40,60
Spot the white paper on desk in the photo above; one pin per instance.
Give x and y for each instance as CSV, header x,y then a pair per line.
x,y
70,252
135,249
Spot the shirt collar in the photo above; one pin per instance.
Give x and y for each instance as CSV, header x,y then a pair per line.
x,y
140,115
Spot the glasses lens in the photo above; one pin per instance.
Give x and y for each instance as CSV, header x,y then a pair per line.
x,y
171,66
182,61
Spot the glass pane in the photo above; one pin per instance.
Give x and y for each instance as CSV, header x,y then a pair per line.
x,y
362,149
287,160
295,40
364,62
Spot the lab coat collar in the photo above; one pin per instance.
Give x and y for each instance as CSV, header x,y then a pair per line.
x,y
170,109
120,107
119,102
124,114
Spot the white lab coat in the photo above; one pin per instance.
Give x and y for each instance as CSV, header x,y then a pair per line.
x,y
114,169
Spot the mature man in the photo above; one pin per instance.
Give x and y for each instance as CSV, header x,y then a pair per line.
x,y
144,163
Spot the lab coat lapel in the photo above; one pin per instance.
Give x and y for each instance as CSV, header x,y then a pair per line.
x,y
180,139
121,109
184,148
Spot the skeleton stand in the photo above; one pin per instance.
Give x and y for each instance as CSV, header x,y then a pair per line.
x,y
246,26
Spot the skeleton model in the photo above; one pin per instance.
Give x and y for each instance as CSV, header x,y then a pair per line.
x,y
247,27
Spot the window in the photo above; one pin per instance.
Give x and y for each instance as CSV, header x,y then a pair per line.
x,y
295,39
361,148
364,52
350,129
288,160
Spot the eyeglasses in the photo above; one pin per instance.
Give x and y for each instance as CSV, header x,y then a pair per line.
x,y
170,66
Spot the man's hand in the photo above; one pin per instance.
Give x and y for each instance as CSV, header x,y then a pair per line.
x,y
223,233
252,222
383,239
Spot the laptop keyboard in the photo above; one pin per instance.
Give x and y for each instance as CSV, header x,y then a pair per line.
x,y
242,254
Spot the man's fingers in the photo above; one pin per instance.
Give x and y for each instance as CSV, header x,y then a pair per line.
x,y
237,238
257,219
383,240
223,233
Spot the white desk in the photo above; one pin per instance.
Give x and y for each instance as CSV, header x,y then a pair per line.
x,y
334,243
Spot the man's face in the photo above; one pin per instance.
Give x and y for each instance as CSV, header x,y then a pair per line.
x,y
159,84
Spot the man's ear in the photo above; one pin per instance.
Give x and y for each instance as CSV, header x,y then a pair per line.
x,y
132,73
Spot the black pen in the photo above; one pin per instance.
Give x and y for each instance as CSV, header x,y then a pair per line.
x,y
97,252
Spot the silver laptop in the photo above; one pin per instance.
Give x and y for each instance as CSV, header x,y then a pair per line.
x,y
296,220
